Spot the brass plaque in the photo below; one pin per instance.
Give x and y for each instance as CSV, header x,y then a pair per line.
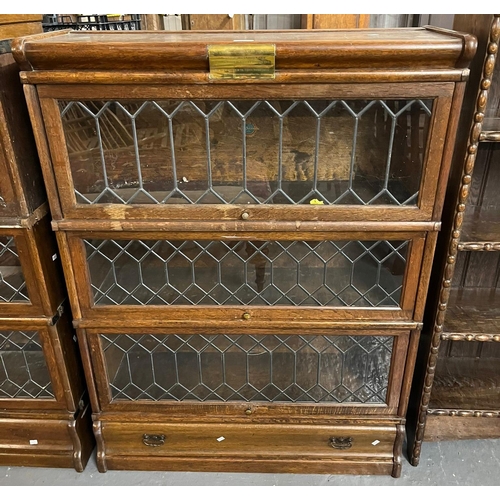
x,y
242,61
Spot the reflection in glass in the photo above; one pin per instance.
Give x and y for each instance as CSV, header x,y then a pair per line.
x,y
293,368
301,273
23,370
12,282
282,152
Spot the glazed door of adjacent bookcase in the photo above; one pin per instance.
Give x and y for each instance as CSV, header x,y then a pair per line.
x,y
31,373
30,276
321,372
235,277
316,152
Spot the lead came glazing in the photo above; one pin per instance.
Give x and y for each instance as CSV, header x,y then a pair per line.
x,y
361,152
300,273
23,369
293,368
12,282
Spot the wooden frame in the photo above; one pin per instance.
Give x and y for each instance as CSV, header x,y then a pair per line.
x,y
40,264
224,316
235,409
61,361
423,211
22,191
449,321
412,63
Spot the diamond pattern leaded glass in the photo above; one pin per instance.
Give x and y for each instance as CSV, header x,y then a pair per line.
x,y
23,370
361,152
301,273
12,282
292,368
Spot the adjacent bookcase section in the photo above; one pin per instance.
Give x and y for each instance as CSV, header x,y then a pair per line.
x,y
456,393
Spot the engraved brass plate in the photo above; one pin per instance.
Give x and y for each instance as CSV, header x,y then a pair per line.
x,y
242,61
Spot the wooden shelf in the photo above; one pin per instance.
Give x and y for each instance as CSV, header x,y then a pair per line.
x,y
490,130
492,135
473,312
481,229
465,383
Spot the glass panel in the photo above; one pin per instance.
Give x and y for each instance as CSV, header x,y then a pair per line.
x,y
23,370
305,273
288,152
12,283
296,368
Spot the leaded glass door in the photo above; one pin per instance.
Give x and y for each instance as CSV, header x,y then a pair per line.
x,y
30,378
337,369
162,154
236,276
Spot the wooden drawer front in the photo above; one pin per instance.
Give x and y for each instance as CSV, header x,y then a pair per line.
x,y
239,440
34,436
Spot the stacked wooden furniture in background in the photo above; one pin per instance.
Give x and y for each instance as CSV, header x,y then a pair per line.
x,y
43,411
456,392
247,230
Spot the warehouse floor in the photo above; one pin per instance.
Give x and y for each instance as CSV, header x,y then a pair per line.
x,y
448,463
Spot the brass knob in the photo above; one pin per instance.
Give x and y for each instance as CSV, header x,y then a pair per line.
x,y
248,411
246,315
245,215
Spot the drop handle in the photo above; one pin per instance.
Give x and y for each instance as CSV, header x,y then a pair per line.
x,y
340,443
153,439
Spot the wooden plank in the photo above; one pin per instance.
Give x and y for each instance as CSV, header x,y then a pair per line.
x,y
473,311
213,21
335,21
463,383
410,49
442,428
14,25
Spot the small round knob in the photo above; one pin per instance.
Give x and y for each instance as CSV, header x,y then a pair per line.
x,y
245,215
248,411
246,315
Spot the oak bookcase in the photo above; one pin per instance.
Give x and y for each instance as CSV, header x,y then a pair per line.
x,y
247,222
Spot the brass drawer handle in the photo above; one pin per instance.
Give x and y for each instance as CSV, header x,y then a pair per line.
x,y
341,443
153,439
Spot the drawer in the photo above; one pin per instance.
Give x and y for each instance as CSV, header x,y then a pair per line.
x,y
264,440
37,442
44,442
255,448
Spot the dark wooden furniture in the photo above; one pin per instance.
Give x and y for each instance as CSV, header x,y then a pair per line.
x,y
247,222
44,414
456,392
